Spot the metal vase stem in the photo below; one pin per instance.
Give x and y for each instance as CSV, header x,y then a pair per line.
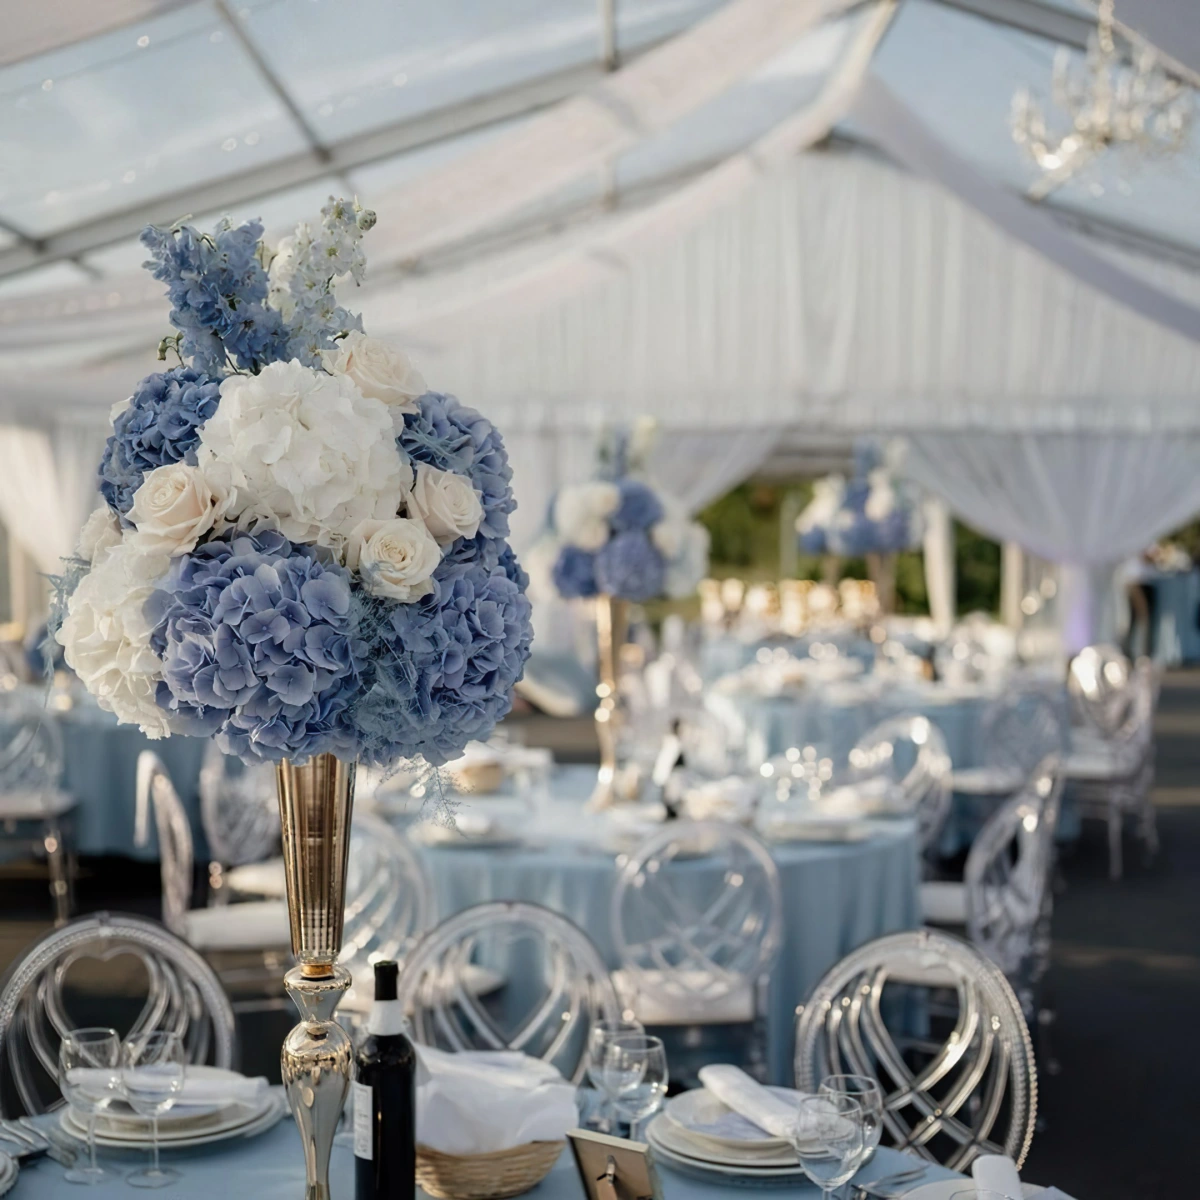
x,y
612,626
316,799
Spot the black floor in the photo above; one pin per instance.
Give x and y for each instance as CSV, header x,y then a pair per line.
x,y
1121,1118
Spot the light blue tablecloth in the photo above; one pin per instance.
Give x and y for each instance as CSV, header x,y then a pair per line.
x,y
835,898
271,1167
100,772
833,719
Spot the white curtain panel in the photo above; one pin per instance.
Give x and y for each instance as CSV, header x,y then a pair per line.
x,y
32,504
1085,501
698,468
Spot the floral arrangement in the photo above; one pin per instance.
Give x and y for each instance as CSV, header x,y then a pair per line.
x,y
871,513
620,536
301,548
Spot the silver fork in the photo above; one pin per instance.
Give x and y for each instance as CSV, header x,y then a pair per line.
x,y
882,1187
58,1147
26,1143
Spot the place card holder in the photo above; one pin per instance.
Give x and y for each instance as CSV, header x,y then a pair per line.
x,y
614,1168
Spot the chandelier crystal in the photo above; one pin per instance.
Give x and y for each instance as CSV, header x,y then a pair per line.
x,y
1122,99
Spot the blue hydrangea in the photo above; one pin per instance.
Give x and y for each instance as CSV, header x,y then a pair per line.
x,y
218,290
630,567
446,434
813,541
639,508
258,644
443,668
575,573
161,425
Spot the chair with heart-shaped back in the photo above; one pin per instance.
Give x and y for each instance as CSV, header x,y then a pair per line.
x,y
53,988
935,1022
259,926
551,985
697,917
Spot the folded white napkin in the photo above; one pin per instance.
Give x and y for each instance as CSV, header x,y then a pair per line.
x,y
735,1089
476,1102
213,1087
997,1173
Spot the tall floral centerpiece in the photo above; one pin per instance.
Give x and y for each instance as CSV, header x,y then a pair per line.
x,y
874,514
619,539
301,553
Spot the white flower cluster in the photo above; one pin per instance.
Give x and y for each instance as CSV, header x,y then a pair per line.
x,y
309,453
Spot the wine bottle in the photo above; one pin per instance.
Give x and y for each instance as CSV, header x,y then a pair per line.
x,y
385,1113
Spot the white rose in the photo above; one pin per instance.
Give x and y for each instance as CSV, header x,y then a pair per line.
x,y
394,558
100,533
580,513
175,507
106,636
381,371
303,452
447,504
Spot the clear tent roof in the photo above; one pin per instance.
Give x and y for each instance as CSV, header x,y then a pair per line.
x,y
265,107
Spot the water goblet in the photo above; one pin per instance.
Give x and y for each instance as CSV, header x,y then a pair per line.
x,y
152,1071
600,1034
89,1063
634,1072
869,1095
828,1137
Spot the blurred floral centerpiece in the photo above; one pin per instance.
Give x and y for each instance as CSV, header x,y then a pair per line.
x,y
302,554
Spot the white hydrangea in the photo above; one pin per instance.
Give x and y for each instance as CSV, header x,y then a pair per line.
x,y
100,533
106,636
581,513
303,452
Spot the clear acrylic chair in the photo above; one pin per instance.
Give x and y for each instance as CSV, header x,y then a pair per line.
x,y
390,903
45,994
555,985
1004,901
33,807
251,926
239,812
909,752
958,1079
1098,682
1019,729
1112,777
697,918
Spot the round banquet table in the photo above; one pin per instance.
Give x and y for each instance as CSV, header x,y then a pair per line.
x,y
834,717
271,1167
836,896
100,771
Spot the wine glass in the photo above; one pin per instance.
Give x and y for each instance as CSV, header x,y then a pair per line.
x,y
828,1136
634,1073
152,1070
599,1036
869,1095
89,1062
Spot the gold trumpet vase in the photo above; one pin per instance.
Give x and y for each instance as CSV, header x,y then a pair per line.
x,y
315,802
612,627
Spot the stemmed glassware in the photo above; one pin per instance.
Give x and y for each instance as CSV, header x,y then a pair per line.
x,y
828,1137
869,1095
599,1037
89,1063
633,1071
152,1071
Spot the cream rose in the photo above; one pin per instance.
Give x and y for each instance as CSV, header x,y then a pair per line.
x,y
100,533
381,371
447,504
395,558
175,507
581,512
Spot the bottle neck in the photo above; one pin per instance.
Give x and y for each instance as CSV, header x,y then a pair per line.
x,y
386,1019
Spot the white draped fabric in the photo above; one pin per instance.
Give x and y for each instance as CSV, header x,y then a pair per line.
x,y
1083,500
940,580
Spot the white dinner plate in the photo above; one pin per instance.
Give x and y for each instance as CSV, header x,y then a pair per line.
x,y
701,1115
819,830
252,1121
678,1140
121,1116
711,1172
943,1189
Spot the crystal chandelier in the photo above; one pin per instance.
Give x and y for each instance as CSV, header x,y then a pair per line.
x,y
1121,100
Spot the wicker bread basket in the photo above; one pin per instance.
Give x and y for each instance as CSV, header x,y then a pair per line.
x,y
486,1176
